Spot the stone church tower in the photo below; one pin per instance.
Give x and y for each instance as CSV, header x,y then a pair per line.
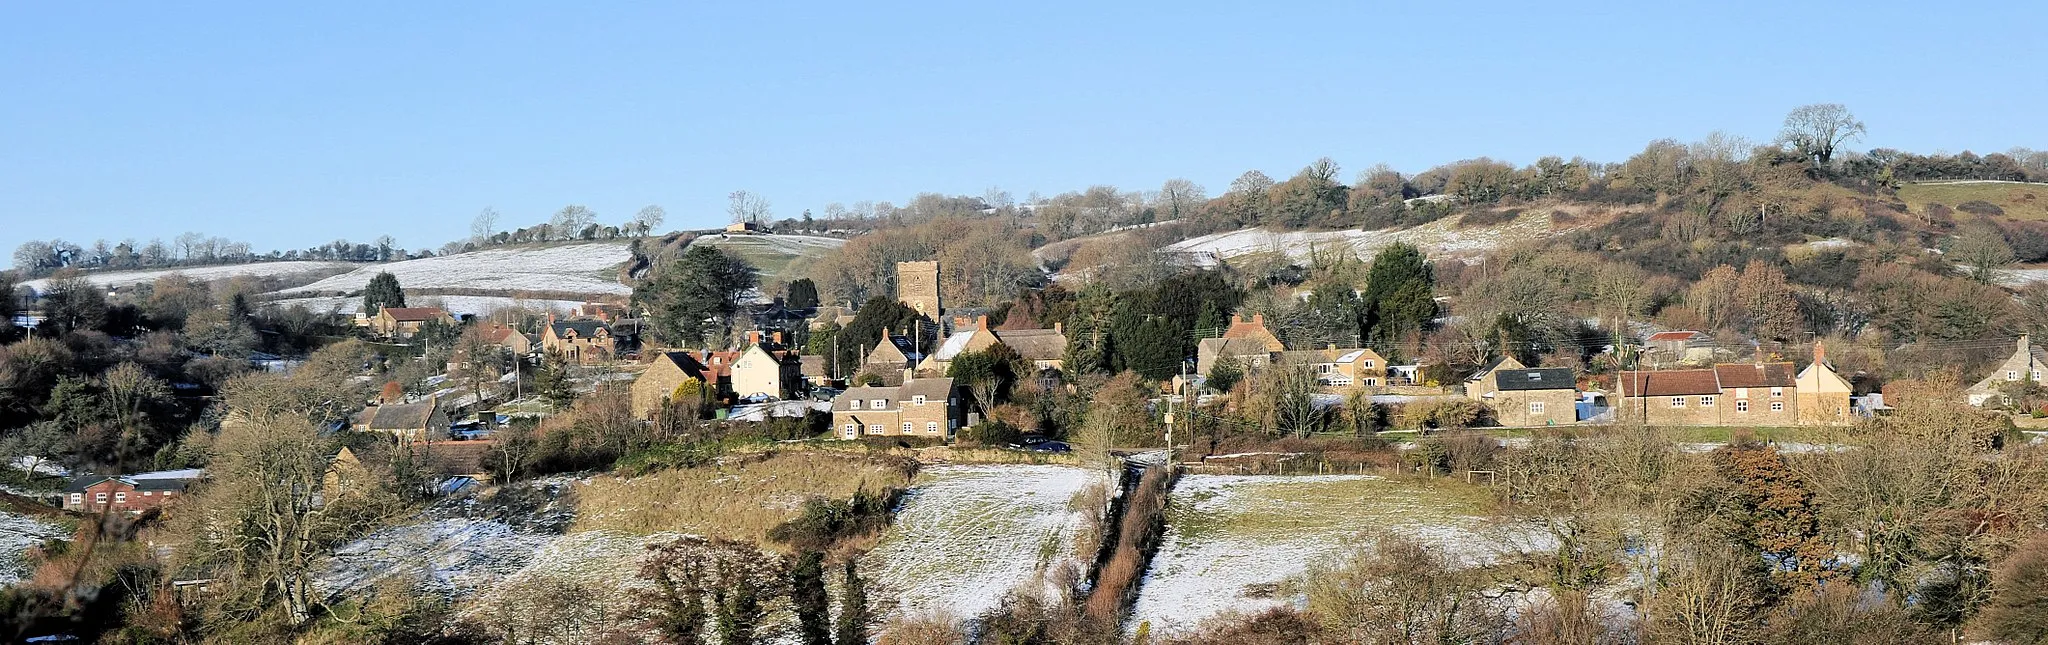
x,y
917,285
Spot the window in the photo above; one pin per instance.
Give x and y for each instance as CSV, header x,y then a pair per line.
x,y
149,493
78,498
931,427
852,429
878,403
1677,401
1372,382
2012,375
1777,406
1777,392
1706,401
120,498
1535,376
1535,407
1368,363
874,428
907,426
853,404
1741,406
99,497
2037,375
917,400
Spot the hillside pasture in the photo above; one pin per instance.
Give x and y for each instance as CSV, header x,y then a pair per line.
x,y
778,257
966,535
282,270
2017,200
589,269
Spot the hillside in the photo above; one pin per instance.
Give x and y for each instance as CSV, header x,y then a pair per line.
x,y
2017,200
1447,237
115,279
779,257
588,269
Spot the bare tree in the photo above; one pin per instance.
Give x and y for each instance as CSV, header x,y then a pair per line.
x,y
1179,197
1815,130
746,207
484,226
1984,250
648,218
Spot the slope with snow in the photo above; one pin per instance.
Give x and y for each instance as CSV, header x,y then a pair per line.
x,y
1443,237
205,273
588,268
458,305
18,534
1231,539
967,535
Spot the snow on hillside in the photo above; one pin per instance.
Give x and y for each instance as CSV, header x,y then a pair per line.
x,y
576,268
204,273
1230,539
966,535
1438,238
18,534
773,255
458,305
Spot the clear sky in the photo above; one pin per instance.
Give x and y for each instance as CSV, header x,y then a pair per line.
x,y
288,124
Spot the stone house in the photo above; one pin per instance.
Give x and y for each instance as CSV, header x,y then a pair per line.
x,y
1823,395
505,336
891,357
926,407
1545,396
1482,383
405,322
668,370
127,493
420,421
1669,397
1758,394
582,341
1339,369
1043,349
2025,364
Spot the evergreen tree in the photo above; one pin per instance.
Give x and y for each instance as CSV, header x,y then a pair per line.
x,y
808,598
1399,296
696,295
552,381
383,291
803,294
853,608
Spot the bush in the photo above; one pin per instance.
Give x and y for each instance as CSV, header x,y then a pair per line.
x,y
2018,611
1980,207
824,523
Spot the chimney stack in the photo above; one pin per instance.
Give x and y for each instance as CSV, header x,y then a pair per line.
x,y
754,337
776,337
1059,328
981,322
1259,319
1820,353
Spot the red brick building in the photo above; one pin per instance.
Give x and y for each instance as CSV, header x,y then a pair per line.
x,y
127,493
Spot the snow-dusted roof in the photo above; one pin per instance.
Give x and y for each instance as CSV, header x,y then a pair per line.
x,y
954,345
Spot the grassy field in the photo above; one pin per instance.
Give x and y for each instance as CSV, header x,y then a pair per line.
x,y
741,499
778,257
1232,540
2020,201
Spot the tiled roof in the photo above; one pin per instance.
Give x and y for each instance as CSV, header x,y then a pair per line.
x,y
1665,336
1035,344
1669,383
401,416
583,328
1754,375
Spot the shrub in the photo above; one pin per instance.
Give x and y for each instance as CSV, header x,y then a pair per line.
x,y
1980,207
824,523
2018,611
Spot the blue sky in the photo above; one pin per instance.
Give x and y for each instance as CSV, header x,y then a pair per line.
x,y
291,124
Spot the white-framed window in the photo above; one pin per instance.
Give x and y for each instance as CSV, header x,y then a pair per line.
x,y
120,498
1777,406
852,429
931,427
874,428
853,404
1777,392
99,497
2012,375
2037,375
878,403
1535,407
908,426
1368,363
1677,401
1741,405
1706,401
1535,376
149,493
917,400
78,498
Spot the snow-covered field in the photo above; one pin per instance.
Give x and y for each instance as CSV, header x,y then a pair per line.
x,y
1438,238
18,534
205,273
458,546
458,305
966,535
576,268
1231,538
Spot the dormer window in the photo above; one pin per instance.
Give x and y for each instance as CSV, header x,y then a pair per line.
x,y
853,404
917,400
879,403
1535,376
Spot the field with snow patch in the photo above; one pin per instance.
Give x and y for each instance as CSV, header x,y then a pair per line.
x,y
776,256
1230,539
18,534
1439,238
458,305
966,535
588,268
207,273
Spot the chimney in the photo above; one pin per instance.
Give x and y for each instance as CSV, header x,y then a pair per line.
x,y
776,337
1059,328
1259,319
1820,353
909,374
959,322
981,322
754,337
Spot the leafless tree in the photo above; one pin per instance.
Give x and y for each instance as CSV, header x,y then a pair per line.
x,y
649,218
1815,130
484,226
1179,197
746,207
